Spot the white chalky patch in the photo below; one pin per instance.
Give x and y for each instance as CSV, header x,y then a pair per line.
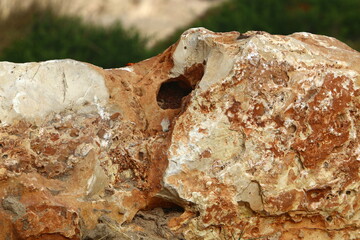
x,y
31,91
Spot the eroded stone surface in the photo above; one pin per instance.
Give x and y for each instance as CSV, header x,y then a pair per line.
x,y
222,136
268,142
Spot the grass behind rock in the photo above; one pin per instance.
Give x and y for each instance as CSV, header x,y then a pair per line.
x,y
339,19
39,35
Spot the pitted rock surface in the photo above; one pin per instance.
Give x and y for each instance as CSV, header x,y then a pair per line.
x,y
222,136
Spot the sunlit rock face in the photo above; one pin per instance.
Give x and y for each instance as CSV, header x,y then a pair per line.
x,y
222,136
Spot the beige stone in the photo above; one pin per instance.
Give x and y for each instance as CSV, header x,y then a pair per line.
x,y
222,136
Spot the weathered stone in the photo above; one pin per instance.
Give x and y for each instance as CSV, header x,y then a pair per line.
x,y
14,206
222,136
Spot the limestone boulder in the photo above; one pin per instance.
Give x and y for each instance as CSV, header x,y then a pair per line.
x,y
222,136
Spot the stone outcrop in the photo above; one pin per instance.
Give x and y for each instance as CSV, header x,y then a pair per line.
x,y
222,136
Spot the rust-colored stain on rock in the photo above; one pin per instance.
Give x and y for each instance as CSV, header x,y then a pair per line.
x,y
222,136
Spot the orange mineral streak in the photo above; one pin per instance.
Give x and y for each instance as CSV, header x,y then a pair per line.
x,y
220,136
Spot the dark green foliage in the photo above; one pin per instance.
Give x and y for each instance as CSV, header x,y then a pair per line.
x,y
340,19
53,37
37,34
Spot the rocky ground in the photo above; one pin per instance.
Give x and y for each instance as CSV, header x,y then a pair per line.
x,y
222,136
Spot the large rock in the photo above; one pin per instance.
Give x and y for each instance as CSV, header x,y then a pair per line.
x,y
222,136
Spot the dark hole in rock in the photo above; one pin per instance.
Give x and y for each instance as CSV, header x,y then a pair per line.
x,y
328,197
172,91
166,205
292,129
173,209
155,217
141,156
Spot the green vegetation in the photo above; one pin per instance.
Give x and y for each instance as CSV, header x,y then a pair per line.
x,y
340,19
38,34
41,35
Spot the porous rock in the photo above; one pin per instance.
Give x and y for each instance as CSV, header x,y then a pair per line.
x,y
222,136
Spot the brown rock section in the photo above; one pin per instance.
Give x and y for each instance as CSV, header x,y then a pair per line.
x,y
71,169
222,136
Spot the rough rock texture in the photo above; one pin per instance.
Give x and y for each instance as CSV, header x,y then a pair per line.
x,y
222,136
156,19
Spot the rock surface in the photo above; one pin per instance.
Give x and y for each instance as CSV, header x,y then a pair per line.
x,y
222,136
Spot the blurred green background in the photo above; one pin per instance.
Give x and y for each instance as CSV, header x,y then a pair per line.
x,y
37,34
